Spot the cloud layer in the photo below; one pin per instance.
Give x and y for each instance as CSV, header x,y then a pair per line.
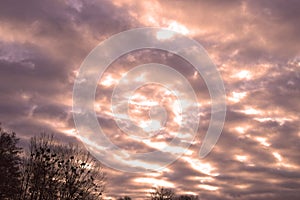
x,y
254,44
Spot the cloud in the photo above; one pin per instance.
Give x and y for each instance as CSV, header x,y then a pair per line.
x,y
253,44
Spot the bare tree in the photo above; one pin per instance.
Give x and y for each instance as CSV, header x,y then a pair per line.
x,y
124,198
186,197
162,193
54,171
82,175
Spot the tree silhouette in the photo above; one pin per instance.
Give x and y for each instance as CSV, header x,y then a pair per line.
x,y
161,193
9,165
54,171
187,197
124,198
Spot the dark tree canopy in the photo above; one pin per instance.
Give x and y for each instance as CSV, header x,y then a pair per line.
x,y
9,165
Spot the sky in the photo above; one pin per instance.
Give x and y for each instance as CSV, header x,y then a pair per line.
x,y
255,46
